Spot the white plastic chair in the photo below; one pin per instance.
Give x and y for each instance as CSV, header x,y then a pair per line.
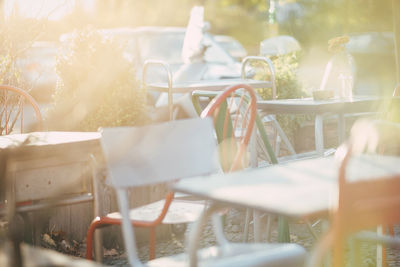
x,y
164,152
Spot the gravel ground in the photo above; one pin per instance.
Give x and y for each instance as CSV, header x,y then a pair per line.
x,y
233,230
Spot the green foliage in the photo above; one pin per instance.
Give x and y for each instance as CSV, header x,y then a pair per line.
x,y
13,42
287,83
324,19
391,111
287,87
97,86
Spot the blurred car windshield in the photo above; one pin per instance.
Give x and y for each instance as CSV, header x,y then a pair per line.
x,y
163,46
232,46
215,53
167,46
160,43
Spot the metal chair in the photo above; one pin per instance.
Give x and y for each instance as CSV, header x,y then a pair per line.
x,y
162,153
13,101
179,210
365,204
172,210
264,152
234,113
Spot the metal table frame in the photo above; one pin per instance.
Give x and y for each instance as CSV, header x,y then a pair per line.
x,y
210,85
320,108
296,190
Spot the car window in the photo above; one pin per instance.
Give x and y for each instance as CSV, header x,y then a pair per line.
x,y
215,53
165,46
168,47
128,45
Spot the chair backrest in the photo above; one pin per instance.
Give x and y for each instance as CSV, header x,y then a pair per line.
x,y
158,153
234,112
13,101
198,97
366,204
363,204
153,154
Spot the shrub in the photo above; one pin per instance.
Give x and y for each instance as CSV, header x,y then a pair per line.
x,y
16,36
287,86
97,86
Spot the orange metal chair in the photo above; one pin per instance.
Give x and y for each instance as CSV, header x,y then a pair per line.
x,y
362,205
240,115
234,112
13,101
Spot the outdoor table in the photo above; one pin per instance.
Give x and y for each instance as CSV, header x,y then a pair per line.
x,y
48,163
171,87
357,104
52,169
303,189
207,85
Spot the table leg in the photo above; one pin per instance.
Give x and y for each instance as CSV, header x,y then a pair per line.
x,y
193,239
283,230
170,103
379,248
319,135
341,128
268,231
97,206
246,226
282,135
257,226
254,164
253,148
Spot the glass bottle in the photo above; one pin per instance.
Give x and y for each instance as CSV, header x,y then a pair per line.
x,y
343,64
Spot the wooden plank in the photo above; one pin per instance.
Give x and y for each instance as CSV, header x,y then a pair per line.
x,y
56,163
51,181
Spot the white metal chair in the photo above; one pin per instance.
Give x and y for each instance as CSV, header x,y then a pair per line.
x,y
164,152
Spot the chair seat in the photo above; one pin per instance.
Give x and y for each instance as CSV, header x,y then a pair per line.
x,y
180,211
241,254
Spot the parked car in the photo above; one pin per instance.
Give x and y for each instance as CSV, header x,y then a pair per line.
x,y
166,43
38,69
233,46
279,45
374,58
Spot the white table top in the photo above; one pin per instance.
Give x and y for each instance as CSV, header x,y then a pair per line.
x,y
47,138
210,85
43,144
304,188
311,106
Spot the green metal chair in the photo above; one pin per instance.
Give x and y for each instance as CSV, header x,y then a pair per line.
x,y
199,99
264,149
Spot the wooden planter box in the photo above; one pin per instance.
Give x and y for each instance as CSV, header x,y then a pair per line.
x,y
56,167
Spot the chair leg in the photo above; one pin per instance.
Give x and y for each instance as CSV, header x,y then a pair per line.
x,y
89,237
246,226
383,264
152,243
311,229
391,229
355,249
98,248
268,230
391,233
256,226
380,248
